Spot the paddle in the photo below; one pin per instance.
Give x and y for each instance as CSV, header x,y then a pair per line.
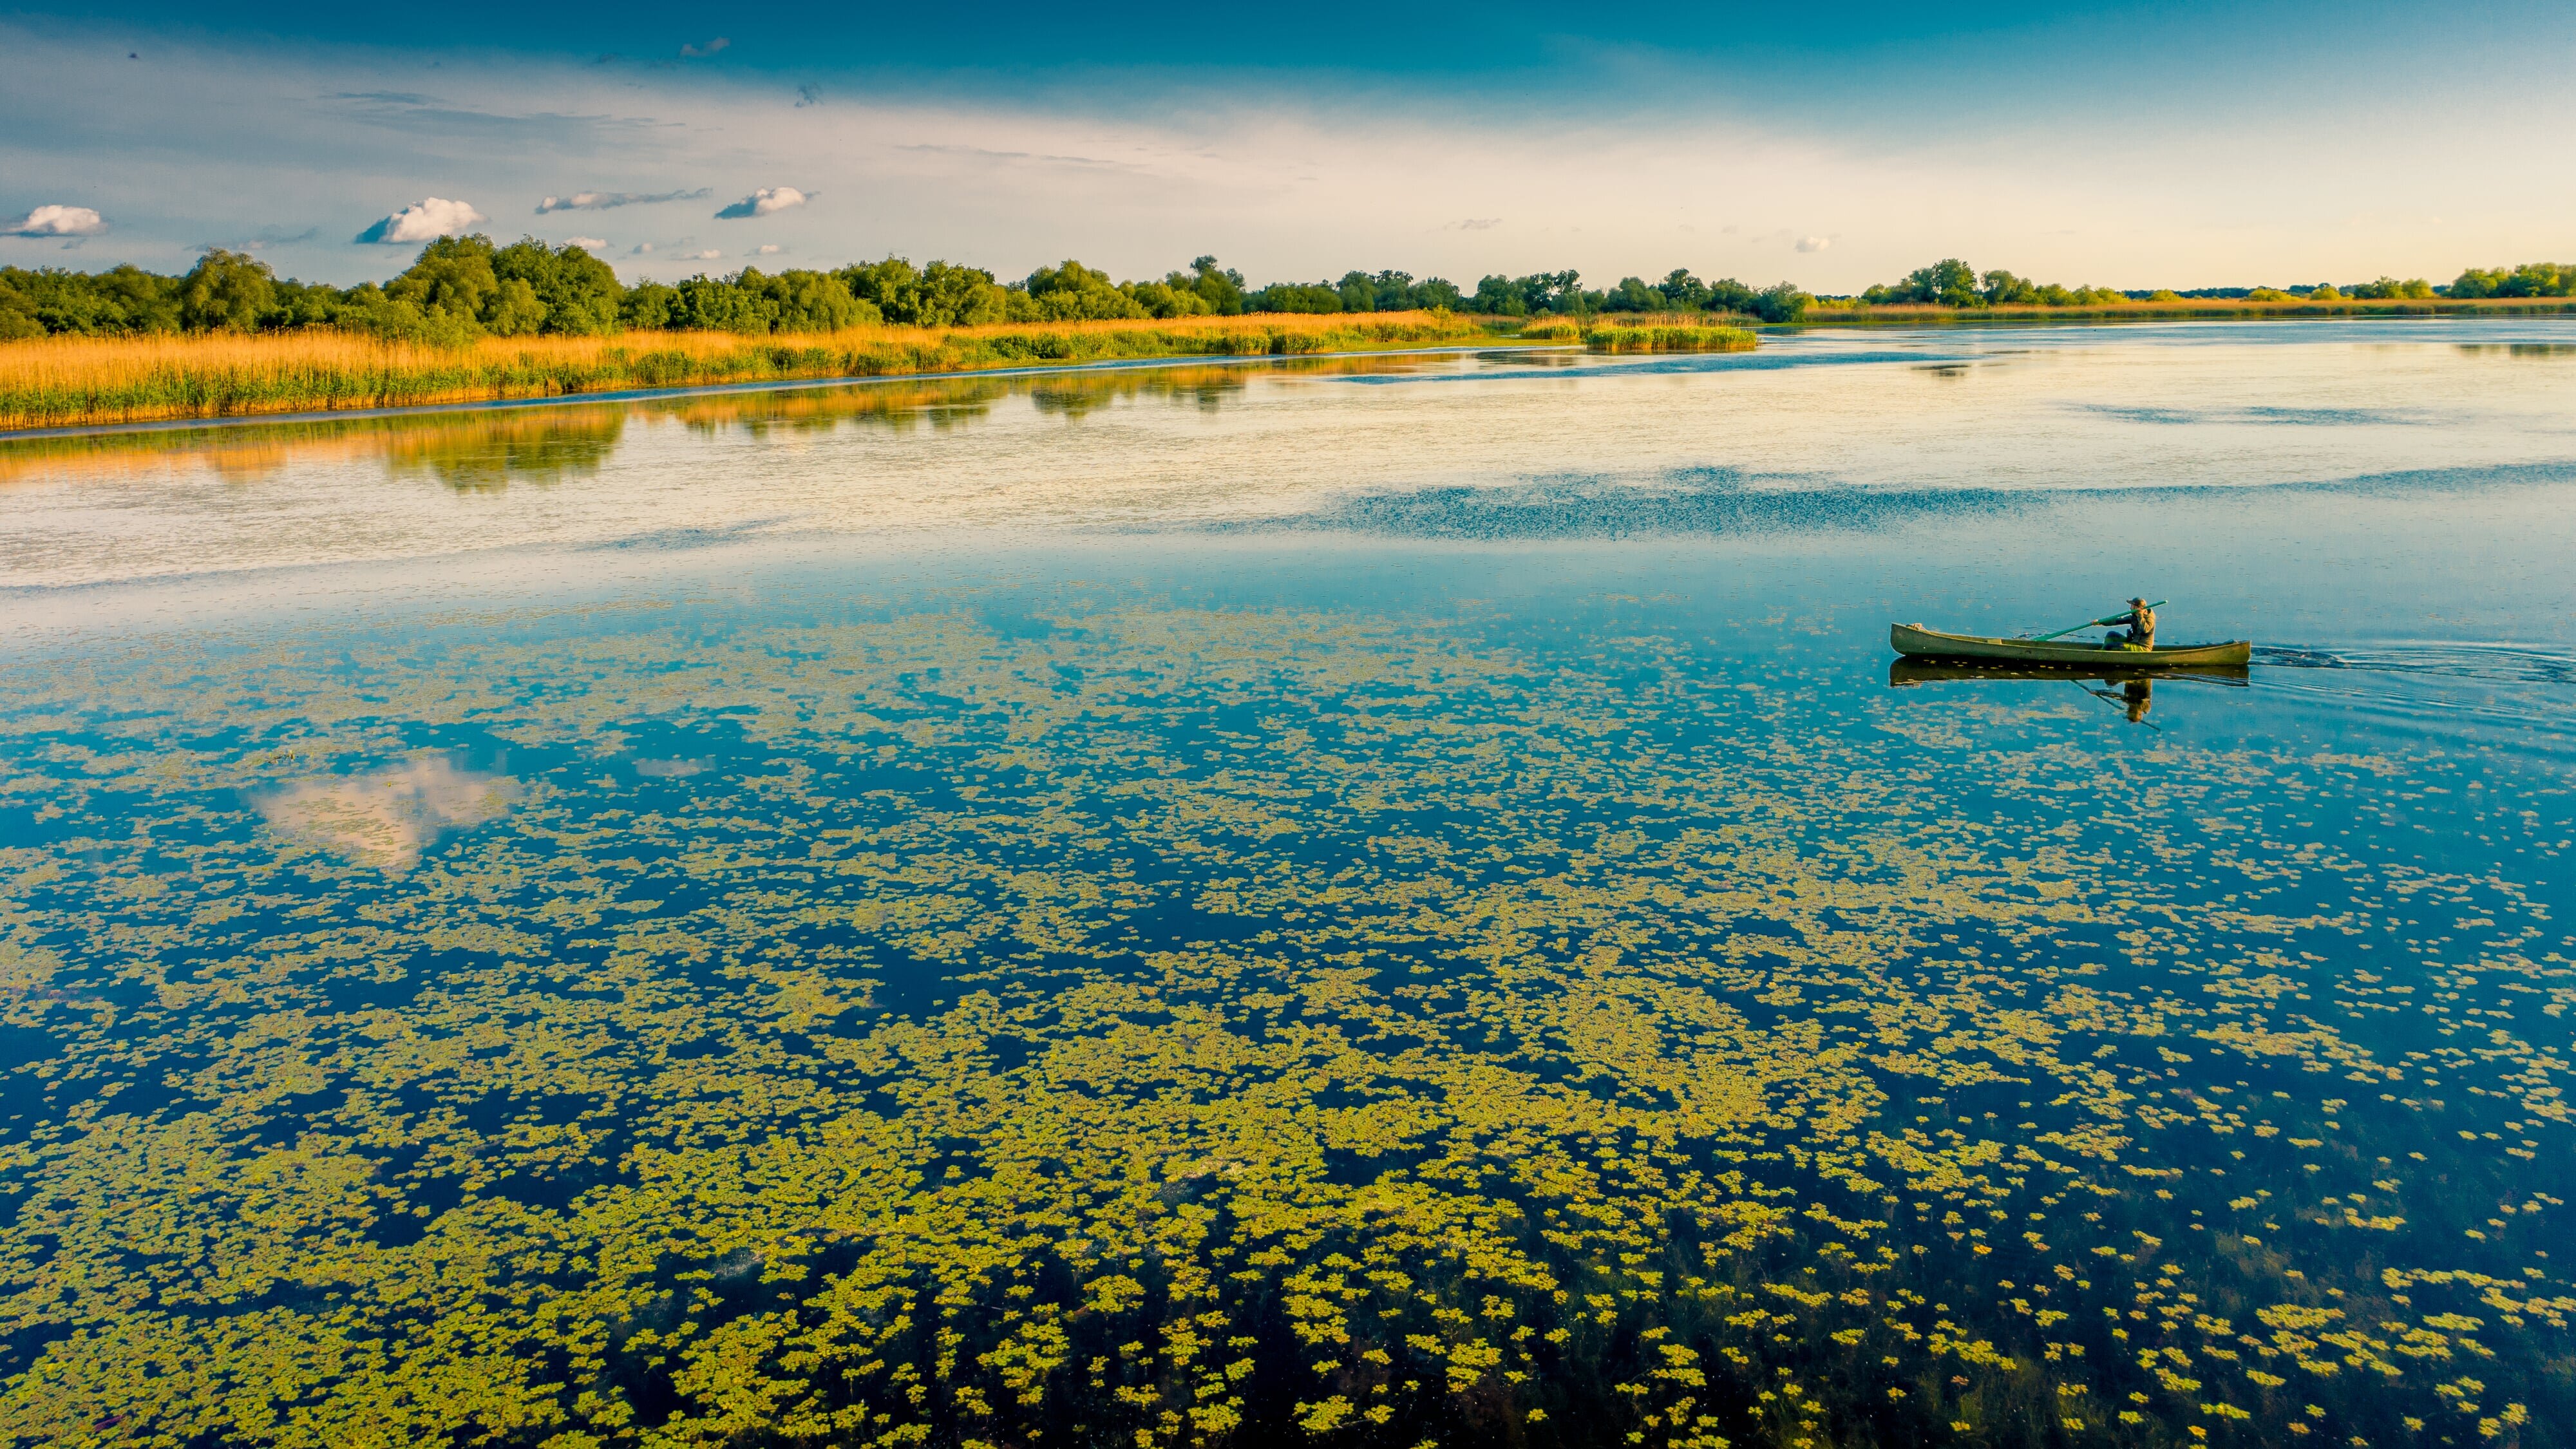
x,y
2090,623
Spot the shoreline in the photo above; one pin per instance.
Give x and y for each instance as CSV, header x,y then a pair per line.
x,y
719,389
2217,309
62,382
1860,318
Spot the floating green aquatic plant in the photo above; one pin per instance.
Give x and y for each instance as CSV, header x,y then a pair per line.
x,y
1193,1028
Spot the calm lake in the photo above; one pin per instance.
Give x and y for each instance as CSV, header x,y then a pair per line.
x,y
1397,901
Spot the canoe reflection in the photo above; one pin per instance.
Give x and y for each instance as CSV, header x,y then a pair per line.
x,y
2133,690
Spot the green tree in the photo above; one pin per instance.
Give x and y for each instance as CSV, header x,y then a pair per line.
x,y
1162,299
750,302
304,304
649,307
961,296
370,308
892,286
939,295
1633,295
226,292
1780,302
1437,294
452,280
1949,282
2531,279
2003,289
514,310
1393,291
719,304
1296,297
1220,287
1560,292
574,292
1729,295
1497,296
1685,291
122,300
17,314
806,301
942,294
1073,292
2538,279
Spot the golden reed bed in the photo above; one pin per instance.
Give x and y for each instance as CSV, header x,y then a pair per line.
x,y
81,381
480,448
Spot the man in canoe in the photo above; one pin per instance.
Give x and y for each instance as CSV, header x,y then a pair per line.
x,y
2142,627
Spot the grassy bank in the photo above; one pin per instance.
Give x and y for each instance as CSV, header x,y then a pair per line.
x,y
1832,313
72,382
483,448
1669,339
1643,332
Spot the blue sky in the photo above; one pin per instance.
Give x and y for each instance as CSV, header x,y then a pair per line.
x,y
2132,146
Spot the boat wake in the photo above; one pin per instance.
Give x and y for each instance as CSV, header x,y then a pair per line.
x,y
2495,662
2481,679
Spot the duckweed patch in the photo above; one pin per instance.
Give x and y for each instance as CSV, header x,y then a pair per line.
x,y
1174,1026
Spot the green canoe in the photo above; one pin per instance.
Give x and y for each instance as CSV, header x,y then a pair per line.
x,y
1914,639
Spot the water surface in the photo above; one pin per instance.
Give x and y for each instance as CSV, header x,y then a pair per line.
x,y
1382,901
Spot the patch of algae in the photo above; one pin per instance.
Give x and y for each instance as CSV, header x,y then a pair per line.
x,y
1164,1027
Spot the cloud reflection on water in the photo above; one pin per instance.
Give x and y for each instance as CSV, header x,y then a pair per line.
x,y
386,819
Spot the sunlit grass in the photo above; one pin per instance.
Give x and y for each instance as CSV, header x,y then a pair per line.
x,y
74,381
1642,332
1669,339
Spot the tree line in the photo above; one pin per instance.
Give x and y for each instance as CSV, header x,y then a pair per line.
x,y
1951,282
461,288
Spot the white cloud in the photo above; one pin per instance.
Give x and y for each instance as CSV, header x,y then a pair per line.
x,y
695,51
428,220
587,243
57,221
1814,243
767,201
704,256
1476,223
771,249
603,200
642,249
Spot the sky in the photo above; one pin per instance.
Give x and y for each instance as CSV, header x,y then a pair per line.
x,y
2177,145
